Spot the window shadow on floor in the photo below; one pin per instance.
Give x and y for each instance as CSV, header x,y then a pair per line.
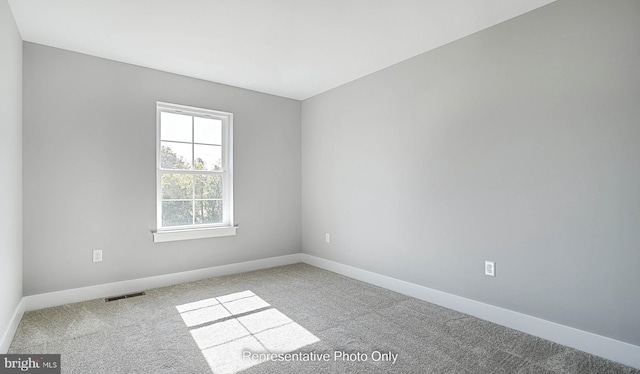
x,y
232,330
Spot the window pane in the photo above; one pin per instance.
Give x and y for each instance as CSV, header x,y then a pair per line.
x,y
208,157
207,130
177,186
209,211
176,127
177,213
208,186
175,156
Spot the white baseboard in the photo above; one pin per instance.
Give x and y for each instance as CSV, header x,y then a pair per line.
x,y
10,332
75,295
615,350
602,346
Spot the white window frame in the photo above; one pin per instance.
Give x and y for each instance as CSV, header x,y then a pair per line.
x,y
197,231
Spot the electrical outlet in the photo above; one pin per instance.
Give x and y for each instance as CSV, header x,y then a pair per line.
x,y
490,268
327,238
97,255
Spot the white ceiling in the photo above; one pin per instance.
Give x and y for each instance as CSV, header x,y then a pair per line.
x,y
290,48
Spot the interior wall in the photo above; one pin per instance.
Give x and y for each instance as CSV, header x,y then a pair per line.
x,y
10,167
518,144
89,181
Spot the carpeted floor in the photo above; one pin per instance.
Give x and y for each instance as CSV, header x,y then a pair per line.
x,y
248,322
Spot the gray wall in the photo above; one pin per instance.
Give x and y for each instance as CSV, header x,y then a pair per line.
x,y
10,167
89,181
519,144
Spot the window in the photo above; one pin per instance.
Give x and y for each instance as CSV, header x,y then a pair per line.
x,y
194,173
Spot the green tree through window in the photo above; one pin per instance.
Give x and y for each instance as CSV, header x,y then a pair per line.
x,y
187,195
193,168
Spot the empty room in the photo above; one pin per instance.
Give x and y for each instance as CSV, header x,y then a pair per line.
x,y
214,186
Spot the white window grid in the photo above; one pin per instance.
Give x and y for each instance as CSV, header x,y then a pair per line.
x,y
226,172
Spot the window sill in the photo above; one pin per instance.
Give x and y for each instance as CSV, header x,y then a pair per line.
x,y
210,232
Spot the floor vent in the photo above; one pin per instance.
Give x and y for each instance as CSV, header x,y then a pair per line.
x,y
114,298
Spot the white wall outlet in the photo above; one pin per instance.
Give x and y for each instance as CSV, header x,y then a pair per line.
x,y
490,268
97,255
327,238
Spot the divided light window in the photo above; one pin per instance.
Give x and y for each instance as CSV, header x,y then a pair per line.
x,y
194,168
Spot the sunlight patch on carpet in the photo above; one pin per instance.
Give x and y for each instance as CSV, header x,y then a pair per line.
x,y
226,326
